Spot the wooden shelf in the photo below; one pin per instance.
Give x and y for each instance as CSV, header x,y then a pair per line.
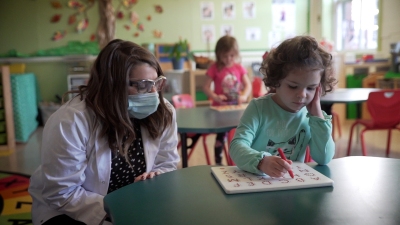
x,y
203,103
193,84
9,147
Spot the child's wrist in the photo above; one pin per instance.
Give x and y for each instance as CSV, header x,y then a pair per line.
x,y
260,162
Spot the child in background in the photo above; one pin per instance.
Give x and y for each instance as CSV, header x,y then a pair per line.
x,y
291,119
231,83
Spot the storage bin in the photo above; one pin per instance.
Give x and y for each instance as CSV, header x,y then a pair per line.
x,y
201,96
17,68
25,107
353,81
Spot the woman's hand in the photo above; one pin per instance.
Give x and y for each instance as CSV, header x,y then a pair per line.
x,y
314,107
145,176
275,166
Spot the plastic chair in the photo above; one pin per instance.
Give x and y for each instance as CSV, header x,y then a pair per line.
x,y
231,134
384,107
186,101
257,87
308,158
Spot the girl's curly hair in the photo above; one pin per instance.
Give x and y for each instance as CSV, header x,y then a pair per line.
x,y
301,52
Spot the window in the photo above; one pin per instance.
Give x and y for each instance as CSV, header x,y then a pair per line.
x,y
357,25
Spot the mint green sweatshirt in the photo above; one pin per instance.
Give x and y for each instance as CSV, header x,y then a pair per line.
x,y
265,127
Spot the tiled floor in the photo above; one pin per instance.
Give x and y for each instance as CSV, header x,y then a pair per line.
x,y
27,156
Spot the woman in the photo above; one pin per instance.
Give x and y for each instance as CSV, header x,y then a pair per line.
x,y
117,130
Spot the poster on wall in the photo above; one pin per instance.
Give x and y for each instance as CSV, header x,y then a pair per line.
x,y
253,34
208,33
228,10
284,18
249,10
226,30
207,10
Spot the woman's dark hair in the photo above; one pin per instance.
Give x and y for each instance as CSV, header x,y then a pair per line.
x,y
106,94
301,52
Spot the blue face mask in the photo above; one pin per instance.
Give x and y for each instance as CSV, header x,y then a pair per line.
x,y
142,105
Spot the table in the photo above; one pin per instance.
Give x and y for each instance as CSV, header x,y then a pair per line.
x,y
366,191
348,95
204,120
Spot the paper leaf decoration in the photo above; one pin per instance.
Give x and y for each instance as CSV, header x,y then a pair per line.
x,y
140,27
56,4
82,25
157,33
136,34
55,18
134,18
120,15
92,37
127,27
158,8
149,18
71,19
76,5
58,35
129,3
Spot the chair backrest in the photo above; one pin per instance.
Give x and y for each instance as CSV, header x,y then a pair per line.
x,y
256,86
183,101
384,107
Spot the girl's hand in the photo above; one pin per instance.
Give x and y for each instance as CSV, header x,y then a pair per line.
x,y
242,99
219,98
314,107
145,176
274,166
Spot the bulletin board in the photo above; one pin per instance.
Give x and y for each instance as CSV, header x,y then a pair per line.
x,y
234,181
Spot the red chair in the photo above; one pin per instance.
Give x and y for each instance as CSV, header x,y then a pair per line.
x,y
384,107
231,134
186,101
257,87
308,158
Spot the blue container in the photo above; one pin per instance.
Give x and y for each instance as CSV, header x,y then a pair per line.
x,y
25,108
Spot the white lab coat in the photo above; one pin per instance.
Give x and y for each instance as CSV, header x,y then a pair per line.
x,y
75,165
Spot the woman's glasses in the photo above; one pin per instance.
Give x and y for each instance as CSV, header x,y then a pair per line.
x,y
146,86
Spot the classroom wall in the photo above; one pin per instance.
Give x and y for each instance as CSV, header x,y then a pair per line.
x,y
25,26
389,25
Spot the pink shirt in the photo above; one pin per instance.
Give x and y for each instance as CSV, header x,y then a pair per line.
x,y
227,81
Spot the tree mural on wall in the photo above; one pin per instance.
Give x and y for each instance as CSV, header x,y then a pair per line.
x,y
106,27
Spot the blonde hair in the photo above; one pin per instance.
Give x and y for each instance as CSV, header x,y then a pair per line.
x,y
225,44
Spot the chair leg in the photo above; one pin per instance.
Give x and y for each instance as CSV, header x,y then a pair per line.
x,y
308,155
336,123
192,146
350,138
206,149
388,142
363,148
228,161
231,134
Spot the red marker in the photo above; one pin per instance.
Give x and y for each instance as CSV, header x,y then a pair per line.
x,y
284,158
